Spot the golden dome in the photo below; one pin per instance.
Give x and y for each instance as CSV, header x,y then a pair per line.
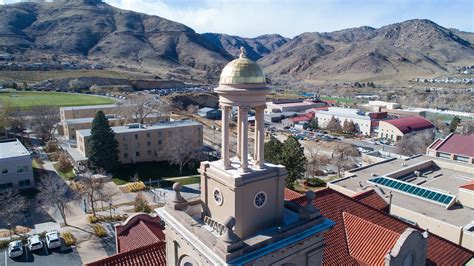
x,y
242,71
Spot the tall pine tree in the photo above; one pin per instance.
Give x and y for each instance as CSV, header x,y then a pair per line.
x,y
103,147
294,159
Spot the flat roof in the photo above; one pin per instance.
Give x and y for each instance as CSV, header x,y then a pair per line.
x,y
84,120
11,148
434,177
85,107
124,129
346,112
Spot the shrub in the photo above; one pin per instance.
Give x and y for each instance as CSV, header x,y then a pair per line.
x,y
114,218
316,182
4,243
135,186
92,219
64,165
141,204
68,238
99,230
51,146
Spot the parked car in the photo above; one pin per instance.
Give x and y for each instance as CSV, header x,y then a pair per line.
x,y
34,242
15,249
53,240
329,171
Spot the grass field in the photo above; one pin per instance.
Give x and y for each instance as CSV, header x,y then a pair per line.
x,y
35,76
342,100
66,175
29,99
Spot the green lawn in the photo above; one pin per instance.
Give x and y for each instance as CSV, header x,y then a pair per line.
x,y
29,99
66,175
153,170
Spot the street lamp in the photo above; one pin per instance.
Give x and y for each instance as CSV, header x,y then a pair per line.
x,y
110,209
85,206
11,231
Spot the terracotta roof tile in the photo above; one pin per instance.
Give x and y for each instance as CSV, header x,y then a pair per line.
x,y
336,252
469,185
138,231
371,198
291,194
151,255
370,252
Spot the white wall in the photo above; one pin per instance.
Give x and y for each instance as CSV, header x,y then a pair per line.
x,y
12,166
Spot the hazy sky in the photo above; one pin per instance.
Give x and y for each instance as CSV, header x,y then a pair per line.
x,y
250,18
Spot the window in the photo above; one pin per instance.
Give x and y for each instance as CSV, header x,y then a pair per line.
x,y
24,183
461,158
260,199
218,199
125,146
125,155
137,154
19,169
444,155
148,143
160,134
4,170
148,135
124,137
136,136
148,152
6,186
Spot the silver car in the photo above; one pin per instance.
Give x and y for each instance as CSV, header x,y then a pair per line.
x,y
34,243
53,240
15,249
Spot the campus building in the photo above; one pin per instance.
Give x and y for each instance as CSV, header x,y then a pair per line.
x,y
363,121
146,143
396,129
292,105
454,147
85,111
430,192
15,165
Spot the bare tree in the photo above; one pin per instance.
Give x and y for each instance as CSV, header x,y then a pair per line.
x,y
184,150
54,192
44,120
12,119
141,107
334,125
343,156
414,144
12,205
315,158
467,127
93,188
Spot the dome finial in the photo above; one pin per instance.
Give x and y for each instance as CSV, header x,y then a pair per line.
x,y
243,54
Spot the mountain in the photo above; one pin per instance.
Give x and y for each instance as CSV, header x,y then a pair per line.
x,y
94,32
255,48
118,38
408,49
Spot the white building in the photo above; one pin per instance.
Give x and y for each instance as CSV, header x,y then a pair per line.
x,y
15,165
361,120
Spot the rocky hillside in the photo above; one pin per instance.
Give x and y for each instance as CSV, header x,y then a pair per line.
x,y
407,49
94,32
256,48
102,33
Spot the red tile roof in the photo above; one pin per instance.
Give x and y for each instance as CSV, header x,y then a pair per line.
x,y
137,231
369,252
457,144
371,198
469,186
410,124
336,252
291,194
306,117
154,254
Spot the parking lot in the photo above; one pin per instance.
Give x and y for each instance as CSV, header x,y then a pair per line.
x,y
65,256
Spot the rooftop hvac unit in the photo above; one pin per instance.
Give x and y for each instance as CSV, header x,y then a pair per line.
x,y
133,125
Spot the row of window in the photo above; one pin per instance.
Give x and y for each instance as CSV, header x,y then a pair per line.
x,y
19,169
21,183
137,154
148,143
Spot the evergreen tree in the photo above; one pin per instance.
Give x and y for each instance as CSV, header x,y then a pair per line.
x,y
273,150
454,124
313,124
293,158
103,147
